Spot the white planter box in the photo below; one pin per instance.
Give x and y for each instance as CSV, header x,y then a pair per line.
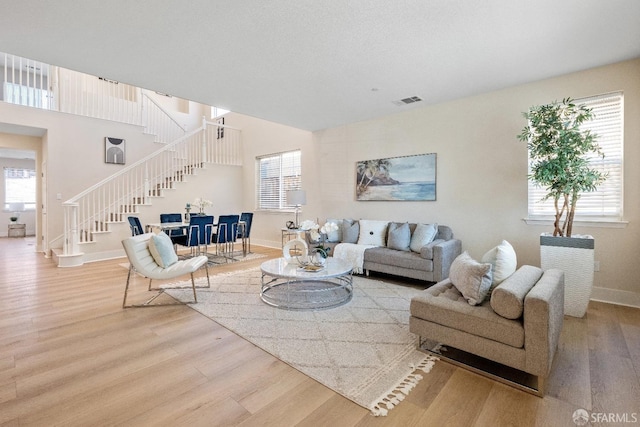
x,y
574,256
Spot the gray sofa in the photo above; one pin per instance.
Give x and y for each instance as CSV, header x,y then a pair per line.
x,y
526,339
431,264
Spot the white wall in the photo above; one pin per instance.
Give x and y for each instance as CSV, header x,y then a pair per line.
x,y
260,137
482,168
73,150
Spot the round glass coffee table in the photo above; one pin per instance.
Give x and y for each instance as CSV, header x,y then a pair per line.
x,y
293,287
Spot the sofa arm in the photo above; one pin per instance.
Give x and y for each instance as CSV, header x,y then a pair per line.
x,y
543,317
443,255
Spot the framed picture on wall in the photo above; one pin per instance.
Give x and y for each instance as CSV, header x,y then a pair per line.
x,y
407,178
114,150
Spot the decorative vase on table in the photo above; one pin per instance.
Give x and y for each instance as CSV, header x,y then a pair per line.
x,y
575,256
294,250
319,259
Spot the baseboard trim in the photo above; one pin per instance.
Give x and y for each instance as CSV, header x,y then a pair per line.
x,y
615,296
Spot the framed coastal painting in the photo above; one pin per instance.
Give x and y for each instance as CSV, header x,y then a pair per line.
x,y
407,178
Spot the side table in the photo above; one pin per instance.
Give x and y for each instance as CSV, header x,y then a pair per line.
x,y
17,230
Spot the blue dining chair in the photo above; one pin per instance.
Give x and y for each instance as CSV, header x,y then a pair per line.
x,y
226,235
135,225
198,234
173,217
244,231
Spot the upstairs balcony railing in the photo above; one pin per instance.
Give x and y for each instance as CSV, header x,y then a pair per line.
x,y
36,84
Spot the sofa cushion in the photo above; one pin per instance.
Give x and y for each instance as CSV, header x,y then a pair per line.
x,y
504,261
399,236
161,248
336,235
507,299
373,232
350,231
423,235
400,259
443,304
471,277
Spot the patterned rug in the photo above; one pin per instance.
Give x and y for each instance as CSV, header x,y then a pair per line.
x,y
363,350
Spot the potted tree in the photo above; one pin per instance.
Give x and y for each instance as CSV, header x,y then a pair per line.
x,y
559,152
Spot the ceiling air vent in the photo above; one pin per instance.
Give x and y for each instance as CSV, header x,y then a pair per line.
x,y
406,101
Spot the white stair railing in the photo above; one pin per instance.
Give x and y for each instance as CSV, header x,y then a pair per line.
x,y
118,196
157,121
35,84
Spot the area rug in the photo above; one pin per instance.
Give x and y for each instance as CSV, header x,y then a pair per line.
x,y
362,350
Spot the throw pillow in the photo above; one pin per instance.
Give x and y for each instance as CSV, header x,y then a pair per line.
x,y
471,278
422,236
504,261
373,232
350,231
161,248
507,299
335,236
399,237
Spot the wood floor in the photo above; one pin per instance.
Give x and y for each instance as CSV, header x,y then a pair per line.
x,y
70,355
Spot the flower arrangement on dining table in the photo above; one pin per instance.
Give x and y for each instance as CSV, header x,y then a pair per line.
x,y
200,203
319,234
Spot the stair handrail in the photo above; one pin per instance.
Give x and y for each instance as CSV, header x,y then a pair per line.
x,y
153,101
110,178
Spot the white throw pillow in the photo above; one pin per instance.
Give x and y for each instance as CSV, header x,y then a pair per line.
x,y
422,236
161,248
504,261
471,278
373,232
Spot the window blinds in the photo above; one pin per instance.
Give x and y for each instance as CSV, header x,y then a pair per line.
x,y
606,202
277,174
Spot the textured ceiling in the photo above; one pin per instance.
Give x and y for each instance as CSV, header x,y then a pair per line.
x,y
315,64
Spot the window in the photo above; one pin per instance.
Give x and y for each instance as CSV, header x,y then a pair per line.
x,y
27,96
19,187
605,203
277,174
218,112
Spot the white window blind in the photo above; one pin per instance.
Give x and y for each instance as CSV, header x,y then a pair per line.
x,y
606,202
277,174
19,187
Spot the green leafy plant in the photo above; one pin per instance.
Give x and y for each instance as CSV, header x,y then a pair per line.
x,y
559,153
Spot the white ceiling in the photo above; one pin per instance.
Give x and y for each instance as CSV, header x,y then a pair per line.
x,y
315,64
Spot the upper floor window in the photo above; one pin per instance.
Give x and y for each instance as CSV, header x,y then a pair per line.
x,y
25,95
606,202
277,174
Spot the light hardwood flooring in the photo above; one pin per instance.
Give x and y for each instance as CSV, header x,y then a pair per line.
x,y
70,355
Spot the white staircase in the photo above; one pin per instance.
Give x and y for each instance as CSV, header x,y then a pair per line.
x,y
95,211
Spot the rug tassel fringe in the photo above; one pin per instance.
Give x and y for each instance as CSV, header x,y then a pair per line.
x,y
394,396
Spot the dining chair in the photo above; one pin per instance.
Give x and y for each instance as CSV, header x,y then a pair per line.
x,y
198,234
135,225
173,217
244,231
226,235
